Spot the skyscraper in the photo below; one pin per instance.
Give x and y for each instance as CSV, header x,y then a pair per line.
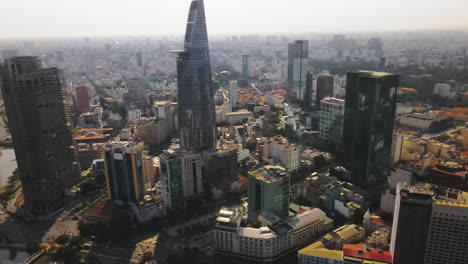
x,y
331,119
368,126
181,177
325,83
245,67
298,64
233,93
410,224
139,59
195,95
268,192
309,88
124,172
40,128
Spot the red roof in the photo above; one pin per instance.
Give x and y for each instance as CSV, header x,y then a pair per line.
x,y
359,251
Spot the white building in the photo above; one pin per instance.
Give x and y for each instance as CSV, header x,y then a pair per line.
x,y
149,209
331,116
279,150
267,243
181,177
236,118
421,121
443,90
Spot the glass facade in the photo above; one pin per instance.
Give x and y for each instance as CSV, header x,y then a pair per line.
x,y
196,110
368,126
298,65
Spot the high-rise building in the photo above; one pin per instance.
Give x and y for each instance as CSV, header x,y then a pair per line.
x,y
82,99
90,63
298,65
164,114
368,126
195,95
181,177
124,172
139,59
268,192
245,67
447,238
309,88
39,123
430,225
410,224
331,119
325,85
136,92
376,45
233,93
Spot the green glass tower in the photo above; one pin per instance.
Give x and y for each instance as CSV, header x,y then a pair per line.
x,y
368,126
268,192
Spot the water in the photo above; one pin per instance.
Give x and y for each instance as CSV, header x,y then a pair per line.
x,y
7,164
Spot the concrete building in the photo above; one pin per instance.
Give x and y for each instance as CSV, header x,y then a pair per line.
x,y
443,90
421,121
346,234
233,93
236,118
181,177
82,100
331,119
268,242
136,92
278,150
40,128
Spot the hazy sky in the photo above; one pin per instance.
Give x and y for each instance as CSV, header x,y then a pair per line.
x,y
51,18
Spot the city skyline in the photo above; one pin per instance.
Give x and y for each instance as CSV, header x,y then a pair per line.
x,y
124,18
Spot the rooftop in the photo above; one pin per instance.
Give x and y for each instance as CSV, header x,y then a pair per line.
x,y
361,252
374,74
318,249
269,173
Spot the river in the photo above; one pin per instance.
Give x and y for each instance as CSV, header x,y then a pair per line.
x,y
7,164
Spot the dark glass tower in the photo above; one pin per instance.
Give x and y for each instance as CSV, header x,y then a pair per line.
x,y
41,132
124,172
298,63
325,83
196,113
309,88
410,225
368,126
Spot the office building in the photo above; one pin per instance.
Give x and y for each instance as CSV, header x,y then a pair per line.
x,y
124,172
447,238
136,92
90,63
411,220
268,191
233,93
245,66
325,85
331,119
39,123
237,118
309,88
165,115
195,95
298,65
368,127
139,59
181,177
82,100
